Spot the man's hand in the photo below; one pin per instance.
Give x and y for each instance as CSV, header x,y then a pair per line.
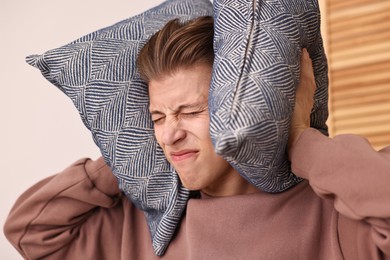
x,y
304,100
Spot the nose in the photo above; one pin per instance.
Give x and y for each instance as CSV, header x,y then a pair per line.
x,y
172,132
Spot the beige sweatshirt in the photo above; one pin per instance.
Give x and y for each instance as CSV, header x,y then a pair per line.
x,y
343,214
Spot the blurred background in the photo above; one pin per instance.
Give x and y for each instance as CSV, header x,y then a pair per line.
x,y
357,39
42,132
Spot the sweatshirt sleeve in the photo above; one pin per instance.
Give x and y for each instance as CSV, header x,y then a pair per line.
x,y
48,217
348,170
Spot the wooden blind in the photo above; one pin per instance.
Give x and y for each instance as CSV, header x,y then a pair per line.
x,y
358,46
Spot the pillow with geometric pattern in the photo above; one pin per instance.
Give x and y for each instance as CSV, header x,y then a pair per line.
x,y
98,73
256,70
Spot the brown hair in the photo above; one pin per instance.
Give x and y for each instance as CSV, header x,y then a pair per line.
x,y
177,45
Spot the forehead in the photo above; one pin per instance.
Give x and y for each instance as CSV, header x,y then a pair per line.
x,y
182,87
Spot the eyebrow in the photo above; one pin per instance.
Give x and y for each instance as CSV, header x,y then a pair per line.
x,y
180,108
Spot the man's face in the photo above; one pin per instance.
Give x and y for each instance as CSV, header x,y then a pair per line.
x,y
179,109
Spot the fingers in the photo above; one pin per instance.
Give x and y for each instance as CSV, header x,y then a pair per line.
x,y
304,100
307,81
307,86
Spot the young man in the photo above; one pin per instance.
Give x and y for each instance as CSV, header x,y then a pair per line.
x,y
178,73
343,213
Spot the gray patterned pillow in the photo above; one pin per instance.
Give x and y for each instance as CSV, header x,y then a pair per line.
x,y
257,46
256,70
98,73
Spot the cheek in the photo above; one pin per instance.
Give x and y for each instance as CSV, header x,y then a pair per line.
x,y
157,134
204,135
201,128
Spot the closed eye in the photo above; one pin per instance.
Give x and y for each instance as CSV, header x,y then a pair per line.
x,y
158,120
193,113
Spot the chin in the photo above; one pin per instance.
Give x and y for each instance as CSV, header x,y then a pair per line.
x,y
190,185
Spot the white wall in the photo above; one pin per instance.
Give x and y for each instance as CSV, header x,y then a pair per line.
x,y
41,132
